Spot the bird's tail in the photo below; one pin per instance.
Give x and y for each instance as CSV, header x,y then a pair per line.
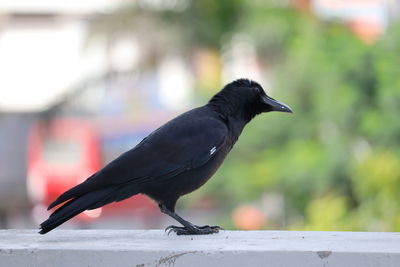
x,y
77,205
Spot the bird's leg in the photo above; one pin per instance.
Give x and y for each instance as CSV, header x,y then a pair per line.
x,y
188,228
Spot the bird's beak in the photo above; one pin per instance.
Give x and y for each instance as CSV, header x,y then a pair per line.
x,y
275,105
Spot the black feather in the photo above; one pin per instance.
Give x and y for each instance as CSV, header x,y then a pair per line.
x,y
74,207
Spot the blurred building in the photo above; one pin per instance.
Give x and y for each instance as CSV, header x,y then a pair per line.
x,y
41,60
41,51
52,76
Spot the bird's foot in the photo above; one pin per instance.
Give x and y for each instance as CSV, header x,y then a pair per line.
x,y
195,230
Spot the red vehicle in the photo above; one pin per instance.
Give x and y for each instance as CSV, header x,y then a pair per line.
x,y
61,154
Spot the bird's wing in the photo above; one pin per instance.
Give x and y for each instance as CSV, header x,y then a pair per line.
x,y
182,144
173,148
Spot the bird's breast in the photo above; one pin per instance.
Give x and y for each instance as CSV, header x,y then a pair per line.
x,y
187,181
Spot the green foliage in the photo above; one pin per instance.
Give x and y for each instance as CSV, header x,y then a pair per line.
x,y
210,20
336,159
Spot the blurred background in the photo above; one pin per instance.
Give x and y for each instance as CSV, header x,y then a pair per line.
x,y
83,81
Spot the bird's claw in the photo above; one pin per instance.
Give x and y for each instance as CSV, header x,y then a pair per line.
x,y
173,228
196,230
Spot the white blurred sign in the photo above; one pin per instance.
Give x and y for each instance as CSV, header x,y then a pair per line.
x,y
41,62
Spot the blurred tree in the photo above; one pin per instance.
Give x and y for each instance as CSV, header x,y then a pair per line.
x,y
336,160
193,29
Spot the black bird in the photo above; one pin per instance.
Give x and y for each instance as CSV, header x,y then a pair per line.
x,y
172,161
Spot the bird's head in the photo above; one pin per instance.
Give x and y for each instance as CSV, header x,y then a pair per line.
x,y
246,97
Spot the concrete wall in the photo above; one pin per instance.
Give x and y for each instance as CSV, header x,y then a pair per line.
x,y
228,248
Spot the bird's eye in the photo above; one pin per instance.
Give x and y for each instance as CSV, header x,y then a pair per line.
x,y
258,90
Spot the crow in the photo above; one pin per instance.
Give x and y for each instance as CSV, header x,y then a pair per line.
x,y
172,161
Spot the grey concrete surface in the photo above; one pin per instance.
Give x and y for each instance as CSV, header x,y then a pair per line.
x,y
228,248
